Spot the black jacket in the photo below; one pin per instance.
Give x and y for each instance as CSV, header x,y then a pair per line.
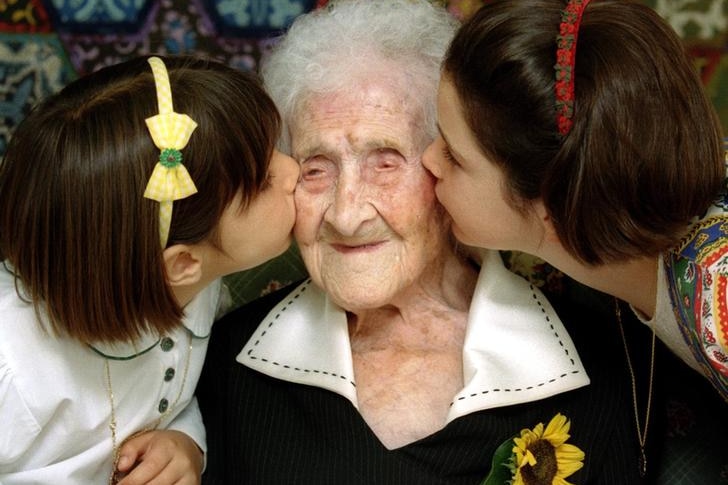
x,y
263,430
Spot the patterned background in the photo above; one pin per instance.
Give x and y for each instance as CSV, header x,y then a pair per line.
x,y
44,44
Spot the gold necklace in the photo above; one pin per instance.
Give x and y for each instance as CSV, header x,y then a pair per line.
x,y
114,477
641,433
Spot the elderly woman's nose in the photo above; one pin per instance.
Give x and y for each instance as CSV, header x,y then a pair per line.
x,y
352,205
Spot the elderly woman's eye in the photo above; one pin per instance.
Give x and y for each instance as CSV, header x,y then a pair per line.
x,y
311,172
317,174
314,168
385,159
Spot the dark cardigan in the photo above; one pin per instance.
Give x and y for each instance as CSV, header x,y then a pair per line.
x,y
264,430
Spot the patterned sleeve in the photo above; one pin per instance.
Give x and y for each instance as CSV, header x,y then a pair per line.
x,y
697,273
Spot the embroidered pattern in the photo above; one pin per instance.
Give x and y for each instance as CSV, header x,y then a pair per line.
x,y
698,283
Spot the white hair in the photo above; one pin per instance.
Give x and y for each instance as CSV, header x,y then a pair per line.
x,y
327,50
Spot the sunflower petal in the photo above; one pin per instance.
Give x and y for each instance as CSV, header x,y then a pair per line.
x,y
567,469
558,425
570,452
530,459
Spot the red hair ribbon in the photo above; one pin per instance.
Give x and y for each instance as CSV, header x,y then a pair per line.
x,y
565,59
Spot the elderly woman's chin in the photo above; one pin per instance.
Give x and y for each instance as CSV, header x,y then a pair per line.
x,y
357,283
361,297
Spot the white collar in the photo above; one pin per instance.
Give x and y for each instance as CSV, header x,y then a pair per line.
x,y
516,348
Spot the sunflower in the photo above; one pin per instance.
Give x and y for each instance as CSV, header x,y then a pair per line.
x,y
542,457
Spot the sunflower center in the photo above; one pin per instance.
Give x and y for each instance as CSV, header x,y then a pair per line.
x,y
544,471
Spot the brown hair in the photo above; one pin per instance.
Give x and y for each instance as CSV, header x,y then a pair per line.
x,y
645,153
74,224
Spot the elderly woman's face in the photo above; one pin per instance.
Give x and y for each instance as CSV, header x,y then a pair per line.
x,y
368,223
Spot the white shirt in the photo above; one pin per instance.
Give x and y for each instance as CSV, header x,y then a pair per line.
x,y
516,348
55,404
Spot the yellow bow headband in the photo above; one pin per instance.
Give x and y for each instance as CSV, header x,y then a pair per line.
x,y
170,131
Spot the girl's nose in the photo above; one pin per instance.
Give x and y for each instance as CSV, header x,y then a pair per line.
x,y
430,157
289,170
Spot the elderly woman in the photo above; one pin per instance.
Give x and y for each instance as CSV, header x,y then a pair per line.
x,y
400,360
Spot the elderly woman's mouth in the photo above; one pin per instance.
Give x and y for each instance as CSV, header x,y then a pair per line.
x,y
347,248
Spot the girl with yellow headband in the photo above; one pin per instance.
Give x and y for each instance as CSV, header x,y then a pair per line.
x,y
126,197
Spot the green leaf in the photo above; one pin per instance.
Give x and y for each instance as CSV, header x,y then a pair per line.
x,y
500,470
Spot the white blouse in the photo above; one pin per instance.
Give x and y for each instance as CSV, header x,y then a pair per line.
x,y
55,400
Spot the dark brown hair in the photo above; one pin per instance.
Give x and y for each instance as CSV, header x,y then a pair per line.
x,y
645,153
74,225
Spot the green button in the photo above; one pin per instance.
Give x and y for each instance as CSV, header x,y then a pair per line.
x,y
163,405
168,374
167,344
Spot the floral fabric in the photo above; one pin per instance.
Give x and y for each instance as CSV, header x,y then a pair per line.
x,y
697,272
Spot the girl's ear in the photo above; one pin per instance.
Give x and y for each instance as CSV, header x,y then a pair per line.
x,y
540,210
549,233
183,265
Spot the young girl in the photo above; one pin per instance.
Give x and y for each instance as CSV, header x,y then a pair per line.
x,y
598,152
126,197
